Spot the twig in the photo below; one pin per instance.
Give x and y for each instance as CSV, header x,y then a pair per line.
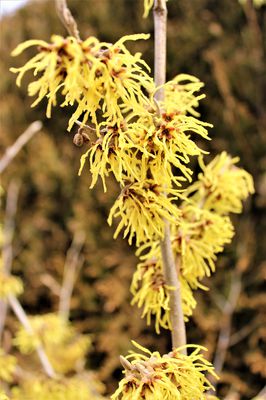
x,y
72,265
13,150
89,128
8,234
226,324
67,18
9,224
241,334
261,394
171,270
22,317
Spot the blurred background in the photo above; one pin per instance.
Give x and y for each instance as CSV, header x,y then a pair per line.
x,y
223,44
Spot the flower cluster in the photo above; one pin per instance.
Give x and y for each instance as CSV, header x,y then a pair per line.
x,y
147,145
92,74
7,366
3,396
144,144
64,347
142,207
152,293
64,388
222,186
202,230
150,376
9,285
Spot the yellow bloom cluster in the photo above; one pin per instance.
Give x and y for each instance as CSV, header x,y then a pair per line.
x,y
65,349
202,230
144,149
147,146
173,376
199,237
139,141
48,389
151,292
3,396
142,207
9,284
7,366
222,186
94,75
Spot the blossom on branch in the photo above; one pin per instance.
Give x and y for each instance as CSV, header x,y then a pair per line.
x,y
173,376
91,74
142,207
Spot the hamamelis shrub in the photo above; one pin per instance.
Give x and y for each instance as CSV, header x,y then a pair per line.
x,y
146,142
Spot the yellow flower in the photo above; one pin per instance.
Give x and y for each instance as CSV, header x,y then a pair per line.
x,y
180,95
222,186
142,207
151,292
113,152
196,239
47,389
200,235
64,347
163,138
91,74
9,284
3,396
173,376
7,366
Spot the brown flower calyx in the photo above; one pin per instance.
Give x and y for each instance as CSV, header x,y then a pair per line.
x,y
80,138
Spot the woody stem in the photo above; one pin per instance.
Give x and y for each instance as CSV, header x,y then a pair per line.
x,y
170,266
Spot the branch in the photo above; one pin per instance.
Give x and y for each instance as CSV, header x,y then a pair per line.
x,y
72,265
67,18
261,395
8,234
13,150
22,317
171,270
226,325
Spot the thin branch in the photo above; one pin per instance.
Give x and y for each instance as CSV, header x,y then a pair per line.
x,y
9,224
72,265
242,334
8,234
67,18
261,394
88,127
13,150
226,325
22,317
171,270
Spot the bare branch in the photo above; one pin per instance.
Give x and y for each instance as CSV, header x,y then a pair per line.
x,y
13,150
22,317
160,23
261,395
226,325
11,208
242,334
72,266
67,18
171,270
8,234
